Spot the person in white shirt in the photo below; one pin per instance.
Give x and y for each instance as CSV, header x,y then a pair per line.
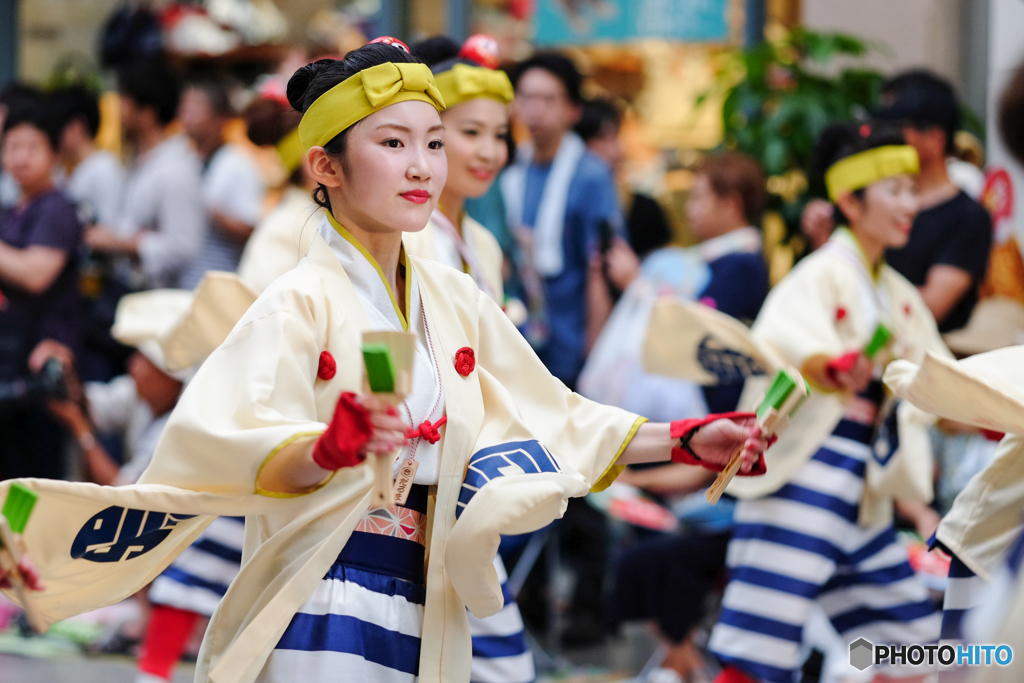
x,y
233,189
161,222
97,176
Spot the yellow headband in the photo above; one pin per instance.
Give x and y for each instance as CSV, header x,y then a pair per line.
x,y
291,152
363,94
864,168
464,82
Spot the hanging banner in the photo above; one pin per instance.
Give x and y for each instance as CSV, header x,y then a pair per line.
x,y
580,22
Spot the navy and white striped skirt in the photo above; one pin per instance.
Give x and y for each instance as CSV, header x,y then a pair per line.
x,y
800,547
364,619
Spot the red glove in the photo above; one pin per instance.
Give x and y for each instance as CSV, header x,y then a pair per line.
x,y
842,364
683,430
348,432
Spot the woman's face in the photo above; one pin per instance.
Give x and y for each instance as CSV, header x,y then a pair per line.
x,y
887,211
28,157
475,134
393,169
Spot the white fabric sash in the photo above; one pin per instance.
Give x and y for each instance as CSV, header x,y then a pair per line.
x,y
547,231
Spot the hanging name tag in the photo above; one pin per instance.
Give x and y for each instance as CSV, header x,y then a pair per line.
x,y
403,482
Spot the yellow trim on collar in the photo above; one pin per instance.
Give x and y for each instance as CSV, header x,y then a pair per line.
x,y
363,94
464,82
864,168
402,258
613,471
843,232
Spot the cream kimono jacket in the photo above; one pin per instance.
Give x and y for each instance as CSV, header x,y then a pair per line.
x,y
830,305
985,390
259,391
434,244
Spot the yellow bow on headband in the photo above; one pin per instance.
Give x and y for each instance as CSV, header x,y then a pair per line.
x,y
464,82
363,94
864,168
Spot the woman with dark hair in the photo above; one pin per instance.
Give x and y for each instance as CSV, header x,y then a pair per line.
x,y
39,240
818,529
276,425
476,122
477,137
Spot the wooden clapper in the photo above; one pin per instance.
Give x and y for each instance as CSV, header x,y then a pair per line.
x,y
691,341
786,393
388,359
16,511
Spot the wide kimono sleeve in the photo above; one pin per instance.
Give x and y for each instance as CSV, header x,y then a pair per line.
x,y
253,395
799,316
588,436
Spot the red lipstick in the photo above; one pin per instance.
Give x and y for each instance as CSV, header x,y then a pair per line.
x,y
416,196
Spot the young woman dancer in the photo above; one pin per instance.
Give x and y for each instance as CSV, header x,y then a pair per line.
x,y
813,531
477,131
272,425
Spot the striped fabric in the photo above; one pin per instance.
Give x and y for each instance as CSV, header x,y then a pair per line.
x,y
802,546
199,577
500,653
364,619
970,598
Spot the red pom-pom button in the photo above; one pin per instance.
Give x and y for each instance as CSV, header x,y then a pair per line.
x,y
328,367
906,309
840,313
465,361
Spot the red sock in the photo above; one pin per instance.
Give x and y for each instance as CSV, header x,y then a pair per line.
x,y
167,635
731,674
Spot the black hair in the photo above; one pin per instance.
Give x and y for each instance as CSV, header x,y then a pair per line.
x,y
596,113
39,113
151,83
17,94
76,103
841,140
313,80
559,66
436,50
923,100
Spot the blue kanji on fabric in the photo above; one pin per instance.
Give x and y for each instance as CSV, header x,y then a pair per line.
x,y
514,457
728,365
118,533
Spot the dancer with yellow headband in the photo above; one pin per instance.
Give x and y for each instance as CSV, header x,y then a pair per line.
x,y
476,126
477,130
817,531
275,427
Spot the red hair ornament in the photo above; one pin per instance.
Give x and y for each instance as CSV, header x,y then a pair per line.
x,y
394,42
482,49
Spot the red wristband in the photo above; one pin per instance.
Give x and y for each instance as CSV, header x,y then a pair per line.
x,y
683,431
348,432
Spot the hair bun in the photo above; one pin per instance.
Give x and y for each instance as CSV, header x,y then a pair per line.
x,y
435,50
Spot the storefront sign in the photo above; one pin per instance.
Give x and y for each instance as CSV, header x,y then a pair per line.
x,y
579,22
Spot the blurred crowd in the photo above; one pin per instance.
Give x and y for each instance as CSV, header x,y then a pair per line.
x,y
210,177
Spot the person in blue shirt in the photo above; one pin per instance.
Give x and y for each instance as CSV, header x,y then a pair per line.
x,y
562,204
